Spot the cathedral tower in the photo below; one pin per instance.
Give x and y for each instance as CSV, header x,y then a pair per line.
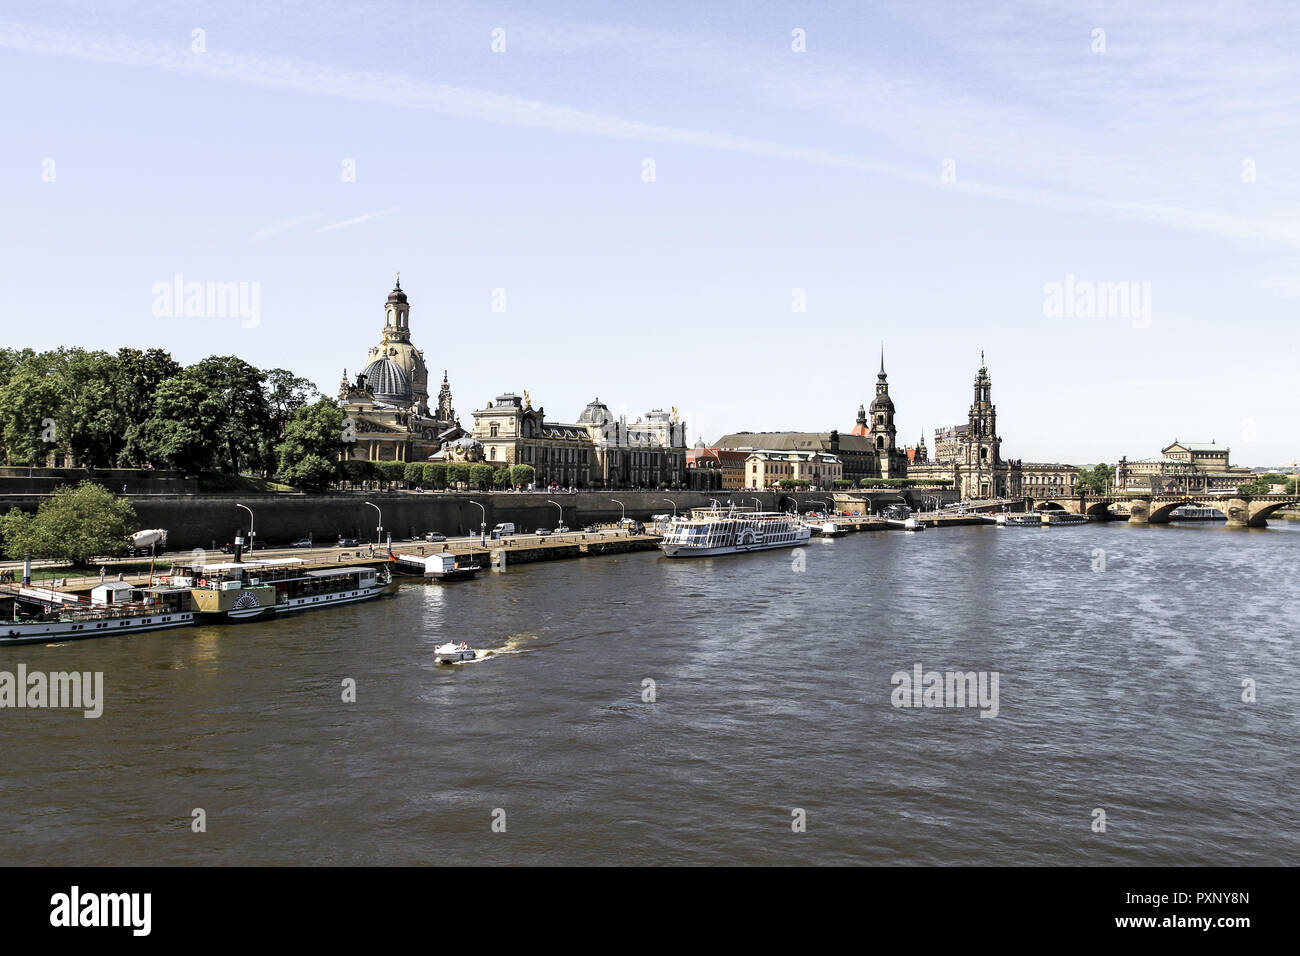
x,y
395,346
883,434
985,448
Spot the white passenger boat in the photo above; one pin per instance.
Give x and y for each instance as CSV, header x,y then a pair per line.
x,y
35,615
710,531
453,653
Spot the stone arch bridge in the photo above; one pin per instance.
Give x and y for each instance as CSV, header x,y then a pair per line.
x,y
1242,511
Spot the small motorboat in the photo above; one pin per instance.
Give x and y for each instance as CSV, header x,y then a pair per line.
x,y
829,530
453,653
445,567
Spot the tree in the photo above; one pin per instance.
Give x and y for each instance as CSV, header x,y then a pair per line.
x,y
522,475
501,477
413,474
71,526
137,377
179,433
1096,480
313,441
356,472
285,394
480,476
458,474
30,403
434,475
237,411
392,472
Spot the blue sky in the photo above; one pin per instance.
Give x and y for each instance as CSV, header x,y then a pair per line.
x,y
774,171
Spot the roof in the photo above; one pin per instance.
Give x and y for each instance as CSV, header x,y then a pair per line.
x,y
386,380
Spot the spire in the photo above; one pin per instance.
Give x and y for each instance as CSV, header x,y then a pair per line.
x,y
882,358
399,283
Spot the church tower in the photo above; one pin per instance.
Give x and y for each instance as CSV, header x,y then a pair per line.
x,y
445,412
883,434
985,448
395,345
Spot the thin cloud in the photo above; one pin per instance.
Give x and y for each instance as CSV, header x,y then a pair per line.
x,y
409,92
275,229
352,222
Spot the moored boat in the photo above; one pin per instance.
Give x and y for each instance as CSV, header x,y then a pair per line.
x,y
249,590
712,531
36,615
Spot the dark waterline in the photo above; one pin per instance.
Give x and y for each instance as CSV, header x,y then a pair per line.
x,y
1119,689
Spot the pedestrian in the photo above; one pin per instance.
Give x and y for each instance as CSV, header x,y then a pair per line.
x,y
102,571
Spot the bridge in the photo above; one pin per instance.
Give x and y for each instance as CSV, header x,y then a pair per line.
x,y
1242,511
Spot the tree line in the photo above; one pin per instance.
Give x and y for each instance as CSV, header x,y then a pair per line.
x,y
137,408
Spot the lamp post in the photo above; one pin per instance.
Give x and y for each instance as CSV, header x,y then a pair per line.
x,y
483,526
379,529
758,505
716,503
251,534
624,511
674,504
561,507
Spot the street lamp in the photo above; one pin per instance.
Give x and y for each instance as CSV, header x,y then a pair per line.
x,y
483,526
379,529
561,507
624,510
673,503
250,524
758,505
716,503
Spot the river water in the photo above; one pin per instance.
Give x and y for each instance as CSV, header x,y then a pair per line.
x,y
1120,654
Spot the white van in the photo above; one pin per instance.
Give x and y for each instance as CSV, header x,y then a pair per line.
x,y
504,529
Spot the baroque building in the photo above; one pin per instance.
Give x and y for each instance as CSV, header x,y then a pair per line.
x,y
1182,467
387,405
599,450
970,455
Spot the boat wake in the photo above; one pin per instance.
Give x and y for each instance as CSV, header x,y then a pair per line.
x,y
514,644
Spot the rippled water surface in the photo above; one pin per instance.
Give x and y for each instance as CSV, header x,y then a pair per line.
x,y
1119,689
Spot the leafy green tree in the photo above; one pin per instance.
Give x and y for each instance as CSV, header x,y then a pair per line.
x,y
313,435
137,377
1096,480
501,477
30,407
357,471
285,394
480,476
413,474
458,474
181,432
522,475
235,407
434,475
71,526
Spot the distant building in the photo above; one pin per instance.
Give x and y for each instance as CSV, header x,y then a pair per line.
x,y
1182,467
765,468
388,403
970,456
599,450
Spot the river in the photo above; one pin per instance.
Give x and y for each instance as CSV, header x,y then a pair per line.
x,y
1120,654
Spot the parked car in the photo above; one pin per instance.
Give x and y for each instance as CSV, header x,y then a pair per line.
x,y
348,543
302,543
591,529
435,536
561,530
543,532
503,530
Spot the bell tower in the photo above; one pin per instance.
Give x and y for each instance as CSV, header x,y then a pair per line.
x,y
883,434
985,445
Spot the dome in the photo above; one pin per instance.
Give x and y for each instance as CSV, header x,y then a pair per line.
x,y
596,413
387,382
397,295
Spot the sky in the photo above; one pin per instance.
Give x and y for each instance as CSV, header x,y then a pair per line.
x,y
723,208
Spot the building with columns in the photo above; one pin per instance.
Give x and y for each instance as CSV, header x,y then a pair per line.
x,y
599,450
387,405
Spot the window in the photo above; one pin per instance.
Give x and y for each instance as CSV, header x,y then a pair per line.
x,y
492,432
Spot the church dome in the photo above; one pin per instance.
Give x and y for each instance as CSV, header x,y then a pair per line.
x,y
387,382
596,413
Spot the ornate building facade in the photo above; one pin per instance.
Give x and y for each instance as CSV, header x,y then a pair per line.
x,y
388,403
970,455
599,450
